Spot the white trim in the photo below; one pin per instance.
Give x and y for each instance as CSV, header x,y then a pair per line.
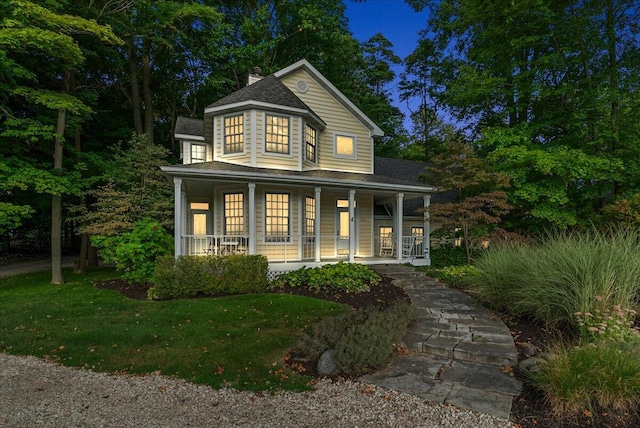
x,y
246,105
265,152
329,87
213,140
223,136
188,137
335,145
254,137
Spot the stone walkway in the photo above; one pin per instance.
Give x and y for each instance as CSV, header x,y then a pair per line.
x,y
460,353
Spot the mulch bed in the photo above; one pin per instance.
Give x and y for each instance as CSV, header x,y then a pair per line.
x,y
529,410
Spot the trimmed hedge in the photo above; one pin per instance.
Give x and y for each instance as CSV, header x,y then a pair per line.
x,y
189,276
350,277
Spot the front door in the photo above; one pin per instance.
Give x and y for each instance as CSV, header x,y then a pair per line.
x,y
199,223
342,228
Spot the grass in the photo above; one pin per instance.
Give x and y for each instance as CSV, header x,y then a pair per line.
x,y
592,379
236,341
564,274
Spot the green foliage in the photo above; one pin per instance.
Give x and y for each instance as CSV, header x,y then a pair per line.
x,y
596,378
362,341
189,276
607,323
563,274
447,255
455,276
236,341
137,189
134,253
350,277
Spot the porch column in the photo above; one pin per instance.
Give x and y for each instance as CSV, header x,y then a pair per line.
x,y
399,214
252,218
177,216
316,226
426,240
352,225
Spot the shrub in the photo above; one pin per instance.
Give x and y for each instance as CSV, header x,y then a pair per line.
x,y
454,276
605,323
188,276
362,341
596,378
564,274
134,253
448,255
351,277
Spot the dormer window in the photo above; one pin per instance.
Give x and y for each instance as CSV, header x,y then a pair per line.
x,y
276,134
198,153
311,143
234,134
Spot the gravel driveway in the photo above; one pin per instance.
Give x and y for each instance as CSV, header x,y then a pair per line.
x,y
34,392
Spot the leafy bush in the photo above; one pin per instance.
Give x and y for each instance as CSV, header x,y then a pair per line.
x,y
454,276
362,341
134,253
564,274
351,277
188,276
592,379
616,323
448,255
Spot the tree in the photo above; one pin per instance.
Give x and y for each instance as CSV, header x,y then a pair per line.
x,y
30,29
550,92
479,200
136,188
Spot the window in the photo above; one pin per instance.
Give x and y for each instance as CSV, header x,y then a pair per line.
x,y
234,134
345,146
418,232
277,134
309,216
277,217
234,214
198,153
311,139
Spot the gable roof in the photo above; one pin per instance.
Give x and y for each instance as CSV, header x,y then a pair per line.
x,y
188,126
267,92
334,92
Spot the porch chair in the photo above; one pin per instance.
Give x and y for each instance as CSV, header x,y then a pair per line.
x,y
386,246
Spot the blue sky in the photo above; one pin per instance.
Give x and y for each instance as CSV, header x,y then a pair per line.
x,y
395,19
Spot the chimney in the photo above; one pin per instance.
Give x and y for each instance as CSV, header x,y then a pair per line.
x,y
254,76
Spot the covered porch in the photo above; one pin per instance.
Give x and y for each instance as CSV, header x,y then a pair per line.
x,y
294,222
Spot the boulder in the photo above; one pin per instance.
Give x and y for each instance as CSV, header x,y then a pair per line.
x,y
327,363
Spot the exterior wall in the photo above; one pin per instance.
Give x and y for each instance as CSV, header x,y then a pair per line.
x,y
339,121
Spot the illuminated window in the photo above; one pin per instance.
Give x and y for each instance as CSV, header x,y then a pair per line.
x,y
418,232
344,203
234,214
345,146
234,134
276,217
311,139
309,216
277,134
198,153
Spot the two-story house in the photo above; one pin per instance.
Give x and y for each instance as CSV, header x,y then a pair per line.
x,y
285,167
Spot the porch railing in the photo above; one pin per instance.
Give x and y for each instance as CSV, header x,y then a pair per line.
x,y
301,247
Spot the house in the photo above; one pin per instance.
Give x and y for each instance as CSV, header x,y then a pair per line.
x,y
285,167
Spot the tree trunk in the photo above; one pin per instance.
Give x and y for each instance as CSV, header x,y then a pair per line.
x,y
146,88
56,204
135,89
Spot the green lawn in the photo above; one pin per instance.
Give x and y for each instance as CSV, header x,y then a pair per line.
x,y
237,341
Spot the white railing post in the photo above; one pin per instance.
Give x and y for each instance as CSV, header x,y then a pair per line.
x,y
399,214
177,216
252,218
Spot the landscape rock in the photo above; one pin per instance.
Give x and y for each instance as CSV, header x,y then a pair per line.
x,y
327,363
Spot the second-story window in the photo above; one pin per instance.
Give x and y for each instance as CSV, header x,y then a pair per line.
x,y
234,134
277,134
198,153
311,142
345,146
